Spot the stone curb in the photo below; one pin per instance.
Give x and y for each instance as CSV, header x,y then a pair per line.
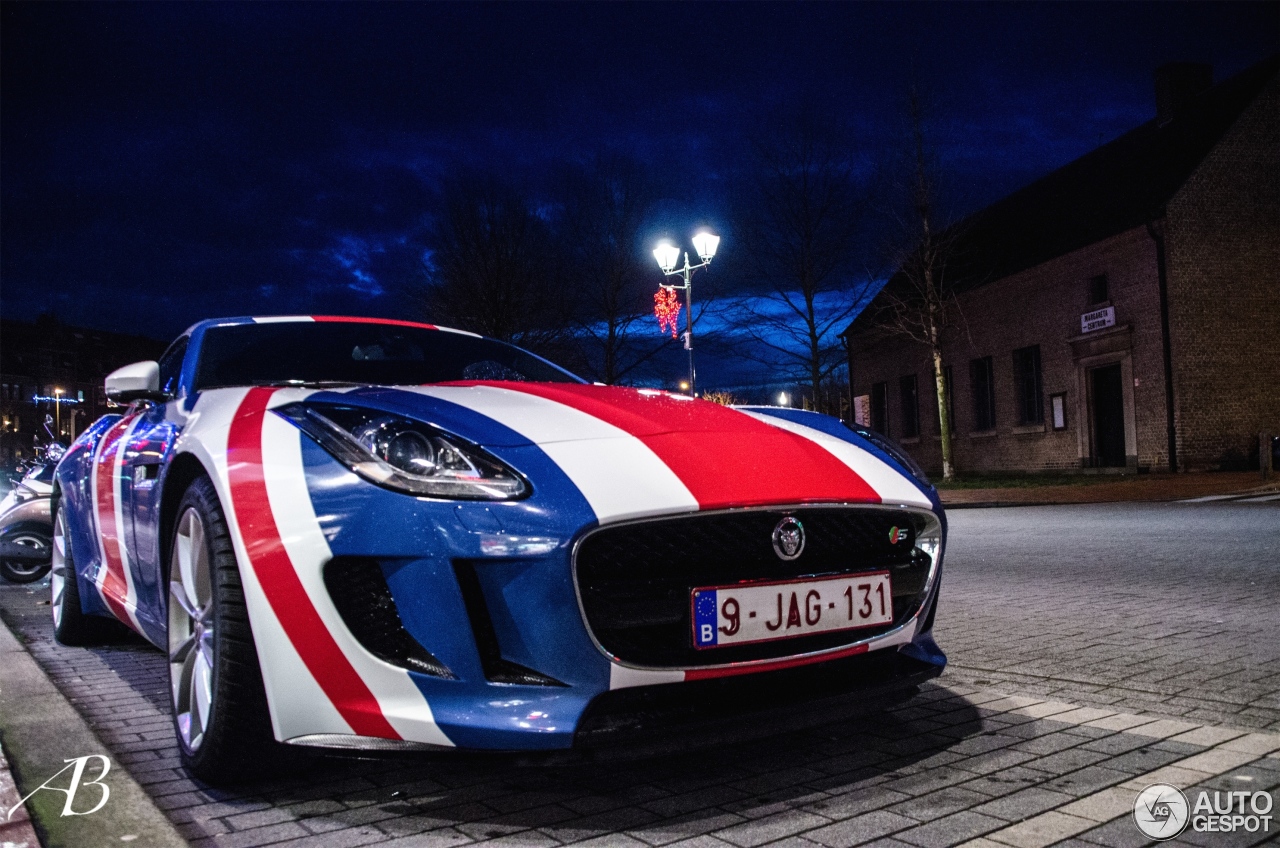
x,y
40,731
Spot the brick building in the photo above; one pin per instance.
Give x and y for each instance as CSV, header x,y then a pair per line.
x,y
1123,311
48,368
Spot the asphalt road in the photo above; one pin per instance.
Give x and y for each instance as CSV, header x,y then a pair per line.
x,y
1093,649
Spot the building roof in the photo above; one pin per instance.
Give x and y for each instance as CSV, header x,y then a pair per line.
x,y
1121,185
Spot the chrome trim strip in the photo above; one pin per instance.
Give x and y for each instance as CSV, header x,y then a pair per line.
x,y
353,742
928,514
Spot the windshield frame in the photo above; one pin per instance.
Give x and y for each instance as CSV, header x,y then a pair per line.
x,y
210,335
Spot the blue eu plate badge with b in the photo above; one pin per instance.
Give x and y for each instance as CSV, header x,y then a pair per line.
x,y
704,618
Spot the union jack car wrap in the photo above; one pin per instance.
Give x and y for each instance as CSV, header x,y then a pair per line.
x,y
539,557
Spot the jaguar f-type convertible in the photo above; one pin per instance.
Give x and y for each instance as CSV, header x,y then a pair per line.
x,y
371,534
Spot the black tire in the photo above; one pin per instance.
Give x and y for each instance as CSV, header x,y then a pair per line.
x,y
71,625
236,742
26,571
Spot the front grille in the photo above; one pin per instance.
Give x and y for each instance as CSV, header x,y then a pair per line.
x,y
634,580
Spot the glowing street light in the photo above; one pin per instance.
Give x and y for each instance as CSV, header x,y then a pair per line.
x,y
667,254
57,412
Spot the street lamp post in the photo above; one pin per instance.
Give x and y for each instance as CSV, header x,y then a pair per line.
x,y
57,413
668,255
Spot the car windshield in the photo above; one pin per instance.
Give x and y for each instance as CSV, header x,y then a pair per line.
x,y
352,352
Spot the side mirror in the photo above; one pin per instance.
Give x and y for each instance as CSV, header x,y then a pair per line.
x,y
139,381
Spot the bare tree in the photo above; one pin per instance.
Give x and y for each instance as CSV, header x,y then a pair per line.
x,y
606,201
801,231
917,302
489,267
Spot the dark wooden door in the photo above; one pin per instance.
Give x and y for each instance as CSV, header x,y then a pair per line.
x,y
1108,416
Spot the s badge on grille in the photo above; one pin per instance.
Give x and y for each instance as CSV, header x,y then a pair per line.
x,y
897,534
788,538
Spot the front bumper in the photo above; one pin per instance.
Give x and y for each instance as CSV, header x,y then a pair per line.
x,y
480,615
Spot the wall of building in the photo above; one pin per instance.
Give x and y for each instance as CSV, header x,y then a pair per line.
x,y
1223,247
1040,306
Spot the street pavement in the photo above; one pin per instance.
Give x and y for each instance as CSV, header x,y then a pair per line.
x,y
1173,608
1094,650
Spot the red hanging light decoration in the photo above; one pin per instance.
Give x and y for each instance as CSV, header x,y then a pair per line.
x,y
666,307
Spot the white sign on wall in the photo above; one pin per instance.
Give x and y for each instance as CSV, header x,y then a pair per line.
x,y
862,410
1098,319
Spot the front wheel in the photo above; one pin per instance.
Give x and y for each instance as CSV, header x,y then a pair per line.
x,y
220,709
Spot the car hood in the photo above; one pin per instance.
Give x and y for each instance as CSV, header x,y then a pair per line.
x,y
723,455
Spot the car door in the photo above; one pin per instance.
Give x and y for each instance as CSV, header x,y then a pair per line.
x,y
145,453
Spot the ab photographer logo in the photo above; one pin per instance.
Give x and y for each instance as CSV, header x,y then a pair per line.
x,y
1161,811
76,783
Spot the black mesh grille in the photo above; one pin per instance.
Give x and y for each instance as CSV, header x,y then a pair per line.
x,y
635,579
360,594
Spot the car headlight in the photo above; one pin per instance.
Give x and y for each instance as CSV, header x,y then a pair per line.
x,y
894,450
405,455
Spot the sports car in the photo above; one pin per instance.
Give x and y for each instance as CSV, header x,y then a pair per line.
x,y
354,533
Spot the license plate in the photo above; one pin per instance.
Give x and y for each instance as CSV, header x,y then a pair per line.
x,y
761,612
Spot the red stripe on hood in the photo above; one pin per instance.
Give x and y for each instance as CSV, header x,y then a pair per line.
x,y
724,457
115,586
275,572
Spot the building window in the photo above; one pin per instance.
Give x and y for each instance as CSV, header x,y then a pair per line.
x,y
880,407
1098,290
982,384
1026,379
910,400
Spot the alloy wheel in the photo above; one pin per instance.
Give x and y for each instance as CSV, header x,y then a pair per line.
x,y
191,630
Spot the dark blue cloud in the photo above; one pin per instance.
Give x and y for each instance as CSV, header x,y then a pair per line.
x,y
164,162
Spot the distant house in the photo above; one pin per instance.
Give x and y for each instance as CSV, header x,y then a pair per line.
x,y
1123,311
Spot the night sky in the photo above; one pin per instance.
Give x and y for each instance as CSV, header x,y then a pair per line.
x,y
164,163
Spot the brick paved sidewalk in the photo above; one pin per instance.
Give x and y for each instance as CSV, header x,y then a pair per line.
x,y
15,823
956,763
1118,488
